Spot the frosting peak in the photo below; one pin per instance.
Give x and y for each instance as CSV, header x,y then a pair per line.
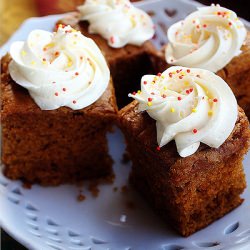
x,y
118,21
208,38
63,68
190,106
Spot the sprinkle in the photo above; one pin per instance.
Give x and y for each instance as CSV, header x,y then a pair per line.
x,y
188,70
187,91
74,101
198,26
186,83
149,104
194,110
172,110
64,89
195,130
204,26
158,148
179,98
165,88
56,94
164,96
180,77
145,82
24,53
150,99
44,59
33,63
159,74
138,92
191,90
76,73
218,13
230,24
170,75
81,57
134,93
53,82
215,100
57,53
152,93
70,64
210,112
112,39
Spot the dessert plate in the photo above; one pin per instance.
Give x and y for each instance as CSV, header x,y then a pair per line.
x,y
117,219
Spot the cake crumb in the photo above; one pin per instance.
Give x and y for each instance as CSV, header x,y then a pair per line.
x,y
125,158
81,197
93,188
131,205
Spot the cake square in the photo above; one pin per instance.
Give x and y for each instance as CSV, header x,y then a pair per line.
x,y
127,64
191,192
51,147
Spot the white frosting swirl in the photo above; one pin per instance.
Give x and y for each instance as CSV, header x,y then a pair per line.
x,y
208,38
189,106
59,69
118,21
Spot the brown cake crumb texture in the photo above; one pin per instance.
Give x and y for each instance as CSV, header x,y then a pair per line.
x,y
236,73
127,64
53,147
189,192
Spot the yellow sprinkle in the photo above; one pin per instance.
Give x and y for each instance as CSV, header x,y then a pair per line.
x,y
138,92
181,114
70,64
210,112
44,62
50,45
133,21
149,104
172,110
165,88
162,76
33,62
194,110
74,42
24,53
186,83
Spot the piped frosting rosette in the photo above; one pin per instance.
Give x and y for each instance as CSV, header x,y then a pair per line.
x,y
118,21
59,69
208,38
190,106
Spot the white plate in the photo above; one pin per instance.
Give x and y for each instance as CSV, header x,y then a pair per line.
x,y
52,218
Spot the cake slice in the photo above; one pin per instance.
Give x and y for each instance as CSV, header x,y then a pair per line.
x,y
55,116
200,179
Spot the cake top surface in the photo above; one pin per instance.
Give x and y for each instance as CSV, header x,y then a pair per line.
x,y
63,68
190,106
208,38
118,21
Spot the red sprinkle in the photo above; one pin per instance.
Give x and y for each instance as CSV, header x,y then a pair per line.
x,y
215,100
188,70
64,89
159,74
145,82
112,39
170,75
191,90
180,77
134,93
74,101
204,26
150,99
158,148
195,130
187,91
56,94
44,59
57,53
164,96
218,13
76,73
198,26
179,98
229,23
